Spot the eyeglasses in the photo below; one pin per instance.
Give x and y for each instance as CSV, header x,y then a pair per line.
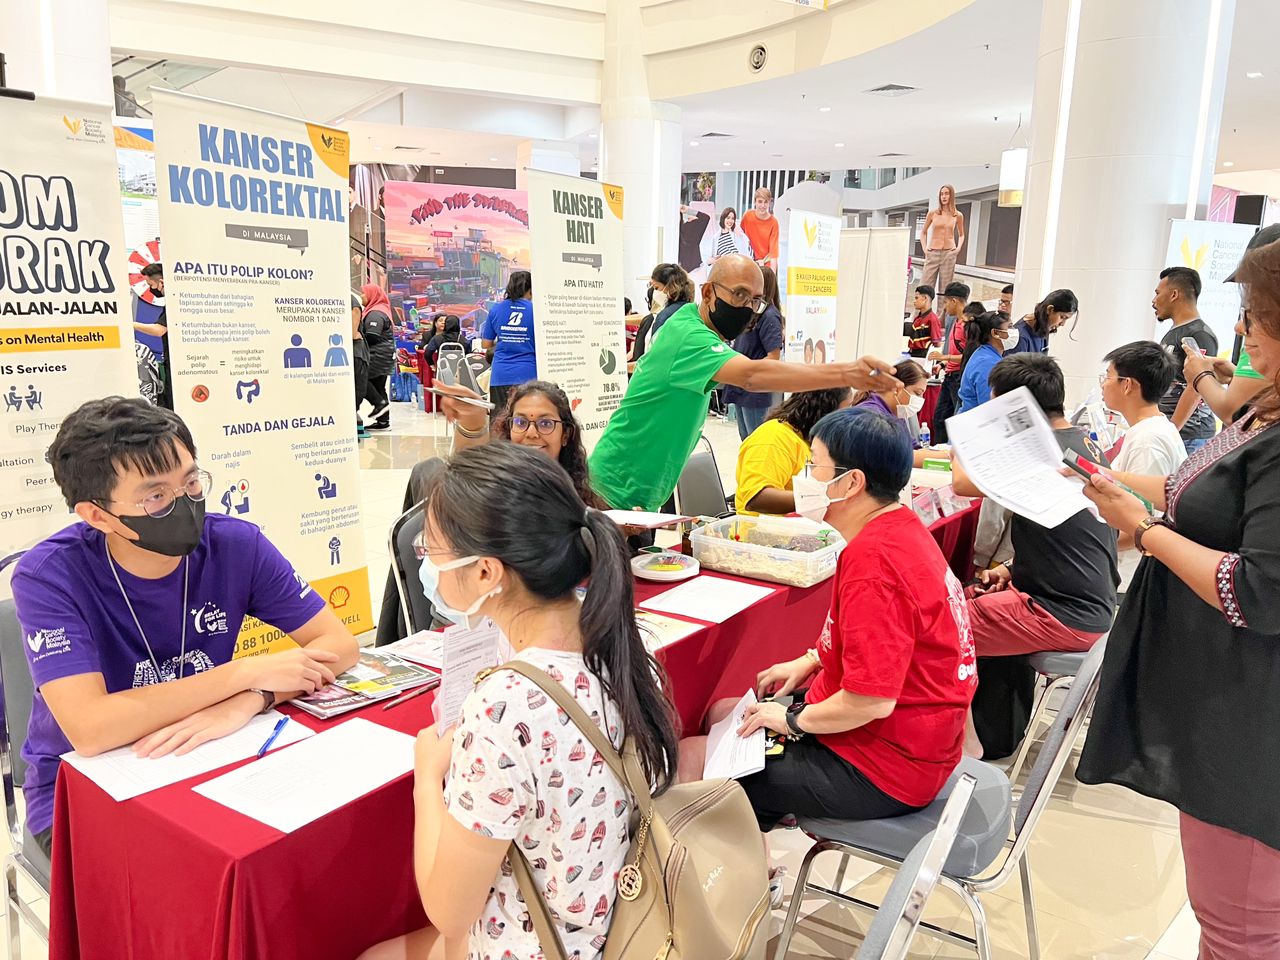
x,y
420,550
160,503
741,298
544,425
838,471
1104,378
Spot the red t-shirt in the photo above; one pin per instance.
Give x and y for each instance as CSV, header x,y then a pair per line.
x,y
956,344
899,629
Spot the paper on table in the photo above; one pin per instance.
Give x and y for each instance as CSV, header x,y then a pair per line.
x,y
466,653
658,631
713,599
123,775
646,521
729,755
288,790
1008,449
426,647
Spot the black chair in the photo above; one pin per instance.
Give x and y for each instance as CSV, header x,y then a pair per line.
x,y
405,608
700,491
17,692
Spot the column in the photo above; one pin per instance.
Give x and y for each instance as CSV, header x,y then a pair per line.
x,y
1124,136
58,48
545,155
640,150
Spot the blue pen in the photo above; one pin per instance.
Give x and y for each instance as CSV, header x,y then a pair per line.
x,y
274,733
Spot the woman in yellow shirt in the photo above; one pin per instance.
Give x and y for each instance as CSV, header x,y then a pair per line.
x,y
778,449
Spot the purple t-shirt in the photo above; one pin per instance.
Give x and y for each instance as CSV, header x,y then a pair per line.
x,y
75,621
874,401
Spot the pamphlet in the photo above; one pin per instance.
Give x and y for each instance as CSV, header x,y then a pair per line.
x,y
378,674
425,648
658,631
466,654
732,756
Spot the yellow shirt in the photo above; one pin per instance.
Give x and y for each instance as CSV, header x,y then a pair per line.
x,y
769,457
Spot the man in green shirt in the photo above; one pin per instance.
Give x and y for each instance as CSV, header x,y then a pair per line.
x,y
652,433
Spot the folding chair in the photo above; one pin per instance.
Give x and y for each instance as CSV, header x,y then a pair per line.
x,y
414,605
889,936
984,830
699,491
1055,670
18,692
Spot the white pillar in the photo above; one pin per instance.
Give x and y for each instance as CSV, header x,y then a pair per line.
x,y
1124,137
640,150
58,48
545,155
975,233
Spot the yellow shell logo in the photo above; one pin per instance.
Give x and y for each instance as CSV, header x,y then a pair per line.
x,y
810,232
72,125
1193,258
338,597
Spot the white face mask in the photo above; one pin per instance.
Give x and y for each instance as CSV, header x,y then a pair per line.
x,y
811,496
429,575
913,406
659,300
1011,338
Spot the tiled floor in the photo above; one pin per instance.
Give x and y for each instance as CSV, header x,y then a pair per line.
x,y
1107,867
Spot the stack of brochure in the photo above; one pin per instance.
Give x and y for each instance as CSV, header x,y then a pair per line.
x,y
377,676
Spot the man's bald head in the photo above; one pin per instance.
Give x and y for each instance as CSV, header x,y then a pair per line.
x,y
735,270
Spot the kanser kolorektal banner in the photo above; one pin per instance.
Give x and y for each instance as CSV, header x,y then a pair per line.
x,y
65,331
813,261
253,215
575,238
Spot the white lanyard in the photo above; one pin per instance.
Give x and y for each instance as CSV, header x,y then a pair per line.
x,y
186,580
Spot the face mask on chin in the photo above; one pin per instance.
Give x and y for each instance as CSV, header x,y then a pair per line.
x,y
429,576
174,535
729,320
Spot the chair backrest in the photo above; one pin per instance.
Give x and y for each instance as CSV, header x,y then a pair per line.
x,y
17,692
896,920
414,605
699,491
1056,749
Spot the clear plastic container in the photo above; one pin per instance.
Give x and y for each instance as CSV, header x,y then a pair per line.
x,y
790,550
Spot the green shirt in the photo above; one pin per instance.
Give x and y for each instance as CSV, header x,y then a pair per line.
x,y
1244,368
650,436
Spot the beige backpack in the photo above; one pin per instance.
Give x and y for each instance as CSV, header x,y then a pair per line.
x,y
695,885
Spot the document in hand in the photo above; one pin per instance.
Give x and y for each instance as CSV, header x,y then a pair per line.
x,y
290,788
123,775
466,653
1008,449
729,755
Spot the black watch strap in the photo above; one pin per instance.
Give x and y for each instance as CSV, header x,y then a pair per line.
x,y
793,718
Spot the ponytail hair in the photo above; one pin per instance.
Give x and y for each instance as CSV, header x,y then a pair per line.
x,y
564,546
978,330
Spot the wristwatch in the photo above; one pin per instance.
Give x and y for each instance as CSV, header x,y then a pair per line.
x,y
1145,524
268,698
793,719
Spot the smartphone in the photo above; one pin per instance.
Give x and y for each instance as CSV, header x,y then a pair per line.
x,y
1087,468
1189,343
482,404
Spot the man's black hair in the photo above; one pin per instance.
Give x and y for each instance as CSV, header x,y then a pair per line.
x,y
103,437
926,290
1147,364
153,270
1039,373
1186,280
1007,288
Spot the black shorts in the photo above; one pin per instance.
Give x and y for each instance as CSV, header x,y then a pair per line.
x,y
809,780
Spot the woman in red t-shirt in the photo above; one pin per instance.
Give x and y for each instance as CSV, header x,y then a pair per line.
x,y
880,727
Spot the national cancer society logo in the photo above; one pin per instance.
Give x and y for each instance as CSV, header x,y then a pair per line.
x,y
72,125
48,641
84,129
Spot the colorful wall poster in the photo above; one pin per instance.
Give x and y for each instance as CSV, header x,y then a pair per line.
x,y
1214,250
64,316
136,166
813,260
253,211
451,249
576,231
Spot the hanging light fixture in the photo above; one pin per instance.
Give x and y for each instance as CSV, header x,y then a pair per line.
x,y
1013,172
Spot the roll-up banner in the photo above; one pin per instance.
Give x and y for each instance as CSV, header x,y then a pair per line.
x,y
253,213
813,261
575,240
65,330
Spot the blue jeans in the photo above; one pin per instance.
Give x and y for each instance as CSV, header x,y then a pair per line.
x,y
749,418
1194,445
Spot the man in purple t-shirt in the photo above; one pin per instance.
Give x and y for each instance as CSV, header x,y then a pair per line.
x,y
130,617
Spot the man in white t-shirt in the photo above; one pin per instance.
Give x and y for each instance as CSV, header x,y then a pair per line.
x,y
1138,375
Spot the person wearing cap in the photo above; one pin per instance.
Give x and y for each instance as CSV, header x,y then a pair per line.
x,y
954,298
1188,705
1227,387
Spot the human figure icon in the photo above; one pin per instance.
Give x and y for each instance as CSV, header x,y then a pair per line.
x,y
12,399
327,488
335,551
35,398
337,353
297,355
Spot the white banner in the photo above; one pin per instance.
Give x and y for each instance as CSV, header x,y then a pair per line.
x,y
67,335
813,260
253,214
1214,250
575,247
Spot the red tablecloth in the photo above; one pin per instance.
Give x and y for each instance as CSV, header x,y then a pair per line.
x,y
172,875
931,394
955,535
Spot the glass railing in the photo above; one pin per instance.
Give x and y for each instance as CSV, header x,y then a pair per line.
x,y
141,74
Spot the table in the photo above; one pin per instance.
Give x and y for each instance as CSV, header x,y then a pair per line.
x,y
931,394
955,536
171,874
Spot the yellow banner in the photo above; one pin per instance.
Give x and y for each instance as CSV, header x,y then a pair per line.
x,y
810,282
34,339
346,593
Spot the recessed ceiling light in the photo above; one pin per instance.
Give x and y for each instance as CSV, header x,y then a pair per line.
x,y
493,159
824,109
726,163
693,143
1254,75
838,145
1228,163
777,154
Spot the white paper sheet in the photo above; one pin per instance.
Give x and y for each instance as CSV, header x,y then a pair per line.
x,y
123,775
729,755
425,648
659,631
712,599
647,521
290,789
1008,449
466,653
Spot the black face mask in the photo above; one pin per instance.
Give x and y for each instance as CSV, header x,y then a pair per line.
x,y
175,535
729,320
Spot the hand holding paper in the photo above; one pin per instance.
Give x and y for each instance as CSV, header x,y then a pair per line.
x,y
729,755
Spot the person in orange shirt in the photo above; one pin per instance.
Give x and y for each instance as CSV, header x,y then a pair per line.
x,y
761,228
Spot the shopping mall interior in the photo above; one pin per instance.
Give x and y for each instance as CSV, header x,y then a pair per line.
x,y
1074,136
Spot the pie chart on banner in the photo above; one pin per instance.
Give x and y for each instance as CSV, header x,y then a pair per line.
x,y
140,257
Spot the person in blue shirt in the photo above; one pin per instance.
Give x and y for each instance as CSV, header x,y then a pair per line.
x,y
509,330
1050,315
989,338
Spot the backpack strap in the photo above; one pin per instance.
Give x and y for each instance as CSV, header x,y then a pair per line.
x,y
539,912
